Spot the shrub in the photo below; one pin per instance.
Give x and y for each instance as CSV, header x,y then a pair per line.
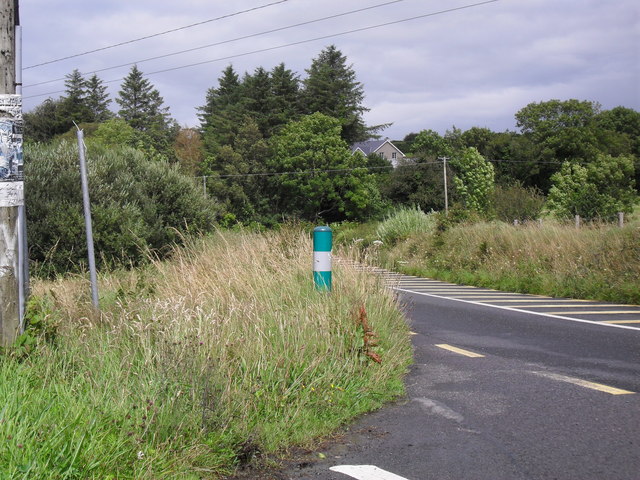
x,y
136,205
405,222
517,202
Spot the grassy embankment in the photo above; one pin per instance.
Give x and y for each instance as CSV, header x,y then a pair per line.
x,y
197,365
597,261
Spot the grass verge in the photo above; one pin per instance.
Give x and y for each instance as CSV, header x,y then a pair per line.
x,y
193,367
598,261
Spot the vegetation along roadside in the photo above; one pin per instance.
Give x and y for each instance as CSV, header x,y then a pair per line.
x,y
597,261
194,366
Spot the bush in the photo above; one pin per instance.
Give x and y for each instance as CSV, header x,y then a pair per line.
x,y
405,222
137,205
516,202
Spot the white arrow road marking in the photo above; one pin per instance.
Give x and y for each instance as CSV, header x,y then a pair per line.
x,y
366,472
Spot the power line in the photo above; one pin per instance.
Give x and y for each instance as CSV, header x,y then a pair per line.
x,y
223,42
386,167
301,42
155,34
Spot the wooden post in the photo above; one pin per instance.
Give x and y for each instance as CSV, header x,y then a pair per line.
x,y
621,219
10,191
577,221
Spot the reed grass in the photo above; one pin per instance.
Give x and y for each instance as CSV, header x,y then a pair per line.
x,y
223,356
597,261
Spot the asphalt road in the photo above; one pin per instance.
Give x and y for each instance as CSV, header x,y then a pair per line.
x,y
504,386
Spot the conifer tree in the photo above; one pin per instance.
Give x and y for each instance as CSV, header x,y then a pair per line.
x,y
97,99
331,88
74,106
222,112
285,87
140,103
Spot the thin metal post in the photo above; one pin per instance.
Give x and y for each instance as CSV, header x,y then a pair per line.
x,y
87,220
446,195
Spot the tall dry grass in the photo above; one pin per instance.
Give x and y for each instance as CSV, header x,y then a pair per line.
x,y
224,354
598,261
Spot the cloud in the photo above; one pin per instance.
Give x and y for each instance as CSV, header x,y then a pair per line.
x,y
476,66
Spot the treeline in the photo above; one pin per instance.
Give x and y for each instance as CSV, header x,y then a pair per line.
x,y
272,146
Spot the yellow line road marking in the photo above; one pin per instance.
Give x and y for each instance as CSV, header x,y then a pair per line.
x,y
620,321
466,353
584,383
595,312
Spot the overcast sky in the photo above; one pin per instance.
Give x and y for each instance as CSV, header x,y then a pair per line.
x,y
473,66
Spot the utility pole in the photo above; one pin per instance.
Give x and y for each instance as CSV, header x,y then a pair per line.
x,y
11,183
446,196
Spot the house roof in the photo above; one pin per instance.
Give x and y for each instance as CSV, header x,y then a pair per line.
x,y
371,146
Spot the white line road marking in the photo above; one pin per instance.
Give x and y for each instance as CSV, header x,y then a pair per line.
x,y
366,472
439,409
584,383
502,307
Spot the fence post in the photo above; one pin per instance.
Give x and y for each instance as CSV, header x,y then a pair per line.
x,y
577,221
621,219
322,242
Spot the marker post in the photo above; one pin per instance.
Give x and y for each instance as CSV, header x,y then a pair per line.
x,y
322,241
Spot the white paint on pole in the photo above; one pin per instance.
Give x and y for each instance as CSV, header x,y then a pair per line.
x,y
321,261
11,194
366,472
8,254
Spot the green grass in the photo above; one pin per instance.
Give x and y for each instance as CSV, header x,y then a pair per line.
x,y
223,356
598,261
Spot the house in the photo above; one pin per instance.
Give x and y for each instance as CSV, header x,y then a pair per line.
x,y
384,148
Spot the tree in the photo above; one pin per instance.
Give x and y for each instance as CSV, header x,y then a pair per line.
x,y
231,174
474,179
323,180
417,183
258,98
74,105
142,107
559,131
45,121
599,189
140,103
331,88
285,87
429,145
222,109
97,99
189,150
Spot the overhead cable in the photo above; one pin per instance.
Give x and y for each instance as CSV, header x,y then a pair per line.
x,y
223,42
127,42
301,42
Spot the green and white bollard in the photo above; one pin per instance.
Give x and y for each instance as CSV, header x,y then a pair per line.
x,y
322,240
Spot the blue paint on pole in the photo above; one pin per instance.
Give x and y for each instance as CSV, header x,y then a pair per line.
x,y
322,242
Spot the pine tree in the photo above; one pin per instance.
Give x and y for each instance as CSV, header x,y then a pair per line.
x,y
285,86
97,99
331,88
140,103
258,98
222,112
74,106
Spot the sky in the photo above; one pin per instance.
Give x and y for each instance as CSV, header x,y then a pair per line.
x,y
424,64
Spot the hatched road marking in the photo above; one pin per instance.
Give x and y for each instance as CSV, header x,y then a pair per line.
x,y
461,351
514,302
366,472
584,383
